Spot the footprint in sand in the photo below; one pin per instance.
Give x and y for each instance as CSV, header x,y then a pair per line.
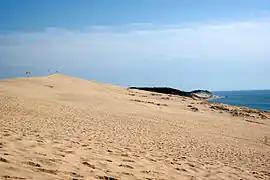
x,y
124,155
49,171
11,177
6,134
32,164
150,159
73,174
176,163
181,169
3,160
108,160
88,165
126,166
68,151
40,141
191,165
110,151
106,178
42,154
147,178
150,172
128,160
59,154
18,138
51,161
59,161
127,174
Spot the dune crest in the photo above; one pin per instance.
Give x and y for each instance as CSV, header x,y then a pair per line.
x,y
62,127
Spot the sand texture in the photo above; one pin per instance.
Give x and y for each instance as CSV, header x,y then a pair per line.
x,y
62,127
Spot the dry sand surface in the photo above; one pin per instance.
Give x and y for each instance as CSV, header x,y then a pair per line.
x,y
62,127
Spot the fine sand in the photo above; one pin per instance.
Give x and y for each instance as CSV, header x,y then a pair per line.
x,y
62,127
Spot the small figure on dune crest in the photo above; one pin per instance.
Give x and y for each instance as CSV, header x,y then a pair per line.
x,y
28,73
51,72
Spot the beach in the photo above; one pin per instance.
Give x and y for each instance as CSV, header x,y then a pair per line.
x,y
63,127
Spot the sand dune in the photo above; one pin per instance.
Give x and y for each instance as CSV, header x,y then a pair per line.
x,y
62,127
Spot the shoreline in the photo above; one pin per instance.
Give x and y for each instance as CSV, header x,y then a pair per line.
x,y
216,100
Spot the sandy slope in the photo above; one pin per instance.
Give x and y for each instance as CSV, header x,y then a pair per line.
x,y
61,127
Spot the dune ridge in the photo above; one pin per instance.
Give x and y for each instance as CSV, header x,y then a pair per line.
x,y
62,127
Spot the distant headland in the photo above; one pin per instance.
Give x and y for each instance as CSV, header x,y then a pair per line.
x,y
201,94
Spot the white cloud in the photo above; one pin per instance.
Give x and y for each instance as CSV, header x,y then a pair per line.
x,y
228,41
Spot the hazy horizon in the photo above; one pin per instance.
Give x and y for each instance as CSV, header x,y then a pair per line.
x,y
213,91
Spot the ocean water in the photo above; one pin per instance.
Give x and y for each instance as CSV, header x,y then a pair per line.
x,y
259,99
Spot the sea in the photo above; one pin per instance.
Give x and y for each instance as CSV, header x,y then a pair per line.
x,y
259,99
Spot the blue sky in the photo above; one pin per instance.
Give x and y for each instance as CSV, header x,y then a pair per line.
x,y
215,45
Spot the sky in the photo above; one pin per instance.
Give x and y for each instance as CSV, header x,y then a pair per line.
x,y
184,44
